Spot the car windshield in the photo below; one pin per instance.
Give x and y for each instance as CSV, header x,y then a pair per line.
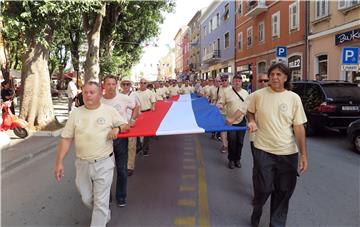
x,y
342,92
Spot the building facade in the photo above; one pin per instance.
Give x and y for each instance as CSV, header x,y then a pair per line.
x,y
166,68
185,73
333,26
217,39
194,45
179,51
261,26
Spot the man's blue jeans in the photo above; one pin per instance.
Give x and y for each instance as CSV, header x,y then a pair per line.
x,y
121,160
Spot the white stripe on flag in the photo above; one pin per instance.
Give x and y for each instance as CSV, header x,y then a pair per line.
x,y
180,119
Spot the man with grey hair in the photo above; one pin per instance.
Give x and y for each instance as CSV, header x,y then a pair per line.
x,y
92,127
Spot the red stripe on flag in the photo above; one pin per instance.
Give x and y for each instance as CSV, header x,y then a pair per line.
x,y
148,122
174,98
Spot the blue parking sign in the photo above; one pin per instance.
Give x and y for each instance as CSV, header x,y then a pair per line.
x,y
281,51
350,56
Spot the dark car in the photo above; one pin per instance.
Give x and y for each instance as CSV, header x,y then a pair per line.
x,y
353,132
328,104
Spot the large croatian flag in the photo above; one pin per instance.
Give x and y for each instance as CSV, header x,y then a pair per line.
x,y
182,114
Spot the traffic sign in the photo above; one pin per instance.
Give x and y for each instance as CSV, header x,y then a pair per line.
x,y
350,56
349,68
281,51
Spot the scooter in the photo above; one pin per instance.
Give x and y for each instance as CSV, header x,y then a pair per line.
x,y
11,122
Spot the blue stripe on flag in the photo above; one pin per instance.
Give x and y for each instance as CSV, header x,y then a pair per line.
x,y
209,117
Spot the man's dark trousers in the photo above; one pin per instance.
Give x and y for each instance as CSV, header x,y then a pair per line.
x,y
235,142
121,161
273,175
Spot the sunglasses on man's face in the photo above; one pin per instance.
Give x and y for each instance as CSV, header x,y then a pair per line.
x,y
224,80
263,81
125,84
142,82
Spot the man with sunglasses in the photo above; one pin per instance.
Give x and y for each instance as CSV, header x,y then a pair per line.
x,y
121,103
164,88
126,89
147,103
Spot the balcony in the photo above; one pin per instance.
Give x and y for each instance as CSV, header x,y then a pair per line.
x,y
255,7
212,57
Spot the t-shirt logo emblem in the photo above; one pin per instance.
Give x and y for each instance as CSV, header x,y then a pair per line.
x,y
100,121
283,107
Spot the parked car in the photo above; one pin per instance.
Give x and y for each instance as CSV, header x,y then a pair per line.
x,y
328,104
353,132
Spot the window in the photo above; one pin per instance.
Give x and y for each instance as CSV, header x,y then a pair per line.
x,y
344,4
249,36
217,20
214,23
226,12
240,40
239,10
261,35
204,31
262,67
294,16
210,26
322,61
227,41
275,24
321,8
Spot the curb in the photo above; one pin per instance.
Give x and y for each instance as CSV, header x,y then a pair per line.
x,y
15,163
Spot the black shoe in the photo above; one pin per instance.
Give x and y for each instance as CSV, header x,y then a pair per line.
x,y
237,164
121,203
231,165
145,153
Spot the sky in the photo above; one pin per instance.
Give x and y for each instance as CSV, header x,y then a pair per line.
x,y
184,12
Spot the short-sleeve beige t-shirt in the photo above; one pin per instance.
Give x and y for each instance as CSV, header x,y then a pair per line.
x,y
147,98
232,103
174,90
276,113
89,129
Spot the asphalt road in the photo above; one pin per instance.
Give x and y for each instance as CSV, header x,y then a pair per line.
x,y
185,182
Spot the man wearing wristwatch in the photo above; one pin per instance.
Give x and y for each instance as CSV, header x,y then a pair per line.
x,y
92,127
121,103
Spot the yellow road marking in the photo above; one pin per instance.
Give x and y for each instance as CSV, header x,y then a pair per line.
x,y
188,176
204,217
186,202
188,221
186,188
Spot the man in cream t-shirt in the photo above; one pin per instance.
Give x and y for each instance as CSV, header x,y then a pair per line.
x,y
147,103
121,103
174,89
92,127
232,99
280,134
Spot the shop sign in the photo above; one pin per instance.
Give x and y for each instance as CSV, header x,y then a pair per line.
x,y
295,62
347,36
243,68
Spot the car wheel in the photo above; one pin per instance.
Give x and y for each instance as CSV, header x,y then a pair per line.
x,y
357,143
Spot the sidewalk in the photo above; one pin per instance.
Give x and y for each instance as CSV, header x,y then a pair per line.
x,y
24,150
21,150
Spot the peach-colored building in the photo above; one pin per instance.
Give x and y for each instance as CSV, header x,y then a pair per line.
x,y
333,25
260,27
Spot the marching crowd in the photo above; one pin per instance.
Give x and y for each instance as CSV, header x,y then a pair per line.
x,y
273,115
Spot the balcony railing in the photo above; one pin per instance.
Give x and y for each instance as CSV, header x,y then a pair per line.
x,y
255,7
213,56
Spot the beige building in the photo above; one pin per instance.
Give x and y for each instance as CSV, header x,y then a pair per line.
x,y
166,67
194,58
179,51
333,25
